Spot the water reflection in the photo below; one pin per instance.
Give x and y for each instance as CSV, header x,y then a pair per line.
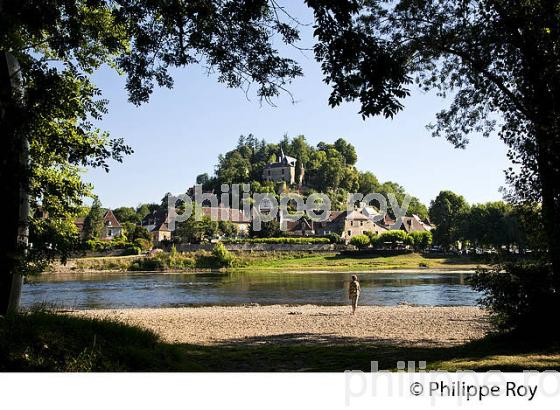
x,y
85,291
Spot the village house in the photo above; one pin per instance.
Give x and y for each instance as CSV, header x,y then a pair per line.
x,y
347,224
284,170
157,224
239,220
414,224
385,221
111,226
301,227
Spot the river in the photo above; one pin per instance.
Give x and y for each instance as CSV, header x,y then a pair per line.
x,y
135,290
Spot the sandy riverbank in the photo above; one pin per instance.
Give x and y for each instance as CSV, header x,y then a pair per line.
x,y
402,325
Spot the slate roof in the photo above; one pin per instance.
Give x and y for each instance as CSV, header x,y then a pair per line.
x,y
413,224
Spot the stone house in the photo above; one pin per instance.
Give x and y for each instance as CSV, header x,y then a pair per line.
x,y
302,227
347,225
239,220
414,224
157,223
284,170
111,226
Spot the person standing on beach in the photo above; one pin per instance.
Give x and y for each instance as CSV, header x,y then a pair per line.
x,y
354,293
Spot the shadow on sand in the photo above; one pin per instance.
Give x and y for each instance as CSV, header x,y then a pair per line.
x,y
307,352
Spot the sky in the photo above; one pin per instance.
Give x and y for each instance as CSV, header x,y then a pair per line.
x,y
180,133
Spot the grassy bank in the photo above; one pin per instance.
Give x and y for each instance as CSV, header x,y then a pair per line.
x,y
43,341
352,262
272,261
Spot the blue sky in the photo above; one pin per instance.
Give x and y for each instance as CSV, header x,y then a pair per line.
x,y
180,133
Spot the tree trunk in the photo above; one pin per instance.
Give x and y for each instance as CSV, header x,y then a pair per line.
x,y
13,191
548,164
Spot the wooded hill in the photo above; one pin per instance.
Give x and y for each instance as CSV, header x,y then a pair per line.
x,y
329,168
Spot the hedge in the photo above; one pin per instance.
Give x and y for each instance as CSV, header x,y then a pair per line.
x,y
283,240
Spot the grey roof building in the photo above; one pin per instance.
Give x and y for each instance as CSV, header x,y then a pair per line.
x,y
284,170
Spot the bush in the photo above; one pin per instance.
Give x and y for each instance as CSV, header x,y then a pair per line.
x,y
334,238
119,242
373,236
421,240
392,238
132,250
143,244
96,245
223,257
148,264
520,297
360,241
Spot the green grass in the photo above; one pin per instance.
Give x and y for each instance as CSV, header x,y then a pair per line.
x,y
341,262
282,261
44,341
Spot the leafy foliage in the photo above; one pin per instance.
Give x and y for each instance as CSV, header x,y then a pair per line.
x,y
493,225
223,257
59,45
328,168
447,212
93,223
521,297
392,238
497,60
421,240
360,241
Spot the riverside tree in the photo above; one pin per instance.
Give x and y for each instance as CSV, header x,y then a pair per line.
x,y
58,45
93,223
447,212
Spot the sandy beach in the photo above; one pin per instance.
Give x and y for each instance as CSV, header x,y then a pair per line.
x,y
401,325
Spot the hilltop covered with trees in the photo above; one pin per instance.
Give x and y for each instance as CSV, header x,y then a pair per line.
x,y
329,168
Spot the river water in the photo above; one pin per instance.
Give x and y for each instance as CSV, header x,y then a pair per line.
x,y
135,290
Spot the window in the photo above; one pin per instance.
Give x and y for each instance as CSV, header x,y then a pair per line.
x,y
282,171
110,232
349,233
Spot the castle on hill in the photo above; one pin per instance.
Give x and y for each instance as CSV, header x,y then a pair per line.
x,y
284,170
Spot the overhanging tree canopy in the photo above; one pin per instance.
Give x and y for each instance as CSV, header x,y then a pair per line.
x,y
491,56
60,43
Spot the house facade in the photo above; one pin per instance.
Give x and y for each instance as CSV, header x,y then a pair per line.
x,y
414,224
284,170
302,227
157,223
111,226
347,225
240,221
